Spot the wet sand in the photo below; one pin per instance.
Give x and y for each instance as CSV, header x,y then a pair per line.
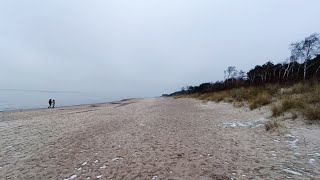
x,y
156,138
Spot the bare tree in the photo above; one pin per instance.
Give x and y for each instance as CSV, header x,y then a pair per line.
x,y
225,75
306,49
286,72
295,49
280,68
251,76
242,75
234,75
295,55
265,69
316,71
230,73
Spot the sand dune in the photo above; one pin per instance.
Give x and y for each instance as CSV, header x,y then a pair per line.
x,y
157,138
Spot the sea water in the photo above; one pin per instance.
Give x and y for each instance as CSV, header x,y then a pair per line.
x,y
29,99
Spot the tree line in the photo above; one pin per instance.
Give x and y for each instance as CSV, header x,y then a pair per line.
x,y
303,64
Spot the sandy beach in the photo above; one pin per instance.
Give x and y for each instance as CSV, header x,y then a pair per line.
x,y
155,138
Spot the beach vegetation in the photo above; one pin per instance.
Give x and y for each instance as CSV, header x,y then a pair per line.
x,y
289,86
271,125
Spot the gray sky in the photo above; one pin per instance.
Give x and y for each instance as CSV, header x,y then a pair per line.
x,y
143,47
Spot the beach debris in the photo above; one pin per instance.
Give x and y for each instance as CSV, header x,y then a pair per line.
x,y
292,172
103,167
88,177
71,177
83,164
311,161
96,161
154,177
297,154
79,168
98,177
292,144
273,153
117,158
292,141
289,136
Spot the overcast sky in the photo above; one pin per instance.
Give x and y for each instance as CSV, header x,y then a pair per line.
x,y
143,47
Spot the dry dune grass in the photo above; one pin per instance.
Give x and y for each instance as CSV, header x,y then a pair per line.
x,y
255,96
272,125
302,97
94,105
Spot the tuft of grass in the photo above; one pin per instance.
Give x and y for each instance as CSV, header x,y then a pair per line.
x,y
263,98
272,125
299,88
313,96
182,96
286,105
294,115
276,109
94,105
217,96
238,104
312,112
273,88
292,103
305,97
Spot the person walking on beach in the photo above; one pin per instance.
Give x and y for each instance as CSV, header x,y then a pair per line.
x,y
53,103
50,102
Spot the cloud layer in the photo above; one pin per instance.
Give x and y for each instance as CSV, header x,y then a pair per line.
x,y
143,48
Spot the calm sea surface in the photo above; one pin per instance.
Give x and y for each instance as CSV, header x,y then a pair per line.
x,y
28,99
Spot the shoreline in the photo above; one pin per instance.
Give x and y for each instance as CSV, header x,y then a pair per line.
x,y
68,106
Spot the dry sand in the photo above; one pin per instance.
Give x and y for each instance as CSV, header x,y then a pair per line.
x,y
158,138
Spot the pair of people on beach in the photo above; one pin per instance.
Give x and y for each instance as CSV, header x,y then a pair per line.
x,y
52,103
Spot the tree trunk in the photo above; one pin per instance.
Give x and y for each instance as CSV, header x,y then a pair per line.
x,y
274,75
298,72
316,72
279,78
292,70
305,70
286,72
